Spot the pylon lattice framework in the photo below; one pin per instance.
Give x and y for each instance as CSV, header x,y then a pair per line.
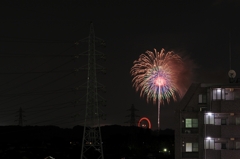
x,y
92,141
132,116
20,117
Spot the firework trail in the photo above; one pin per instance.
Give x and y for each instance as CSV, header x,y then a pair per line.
x,y
159,76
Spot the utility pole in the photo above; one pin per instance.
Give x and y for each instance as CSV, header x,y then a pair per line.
x,y
132,116
92,141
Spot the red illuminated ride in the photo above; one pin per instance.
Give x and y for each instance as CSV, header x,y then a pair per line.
x,y
145,119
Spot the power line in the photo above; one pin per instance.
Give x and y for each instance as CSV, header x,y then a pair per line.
x,y
49,107
33,56
38,72
46,114
32,40
68,88
26,82
38,93
10,100
36,67
48,100
74,89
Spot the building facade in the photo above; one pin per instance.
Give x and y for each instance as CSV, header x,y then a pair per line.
x,y
208,122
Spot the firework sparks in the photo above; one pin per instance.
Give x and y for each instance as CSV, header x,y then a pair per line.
x,y
156,76
157,71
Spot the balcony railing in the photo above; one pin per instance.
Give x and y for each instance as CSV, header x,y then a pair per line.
x,y
213,130
230,131
231,154
225,131
224,153
225,106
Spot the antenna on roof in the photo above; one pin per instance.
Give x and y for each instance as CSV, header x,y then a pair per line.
x,y
230,64
231,73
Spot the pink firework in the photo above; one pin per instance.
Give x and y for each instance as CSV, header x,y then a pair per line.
x,y
158,76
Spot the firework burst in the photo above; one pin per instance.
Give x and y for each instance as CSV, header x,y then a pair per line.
x,y
156,76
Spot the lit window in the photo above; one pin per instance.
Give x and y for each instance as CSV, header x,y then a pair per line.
x,y
195,147
218,93
188,123
237,121
191,147
188,147
191,123
202,98
209,143
209,118
194,123
237,145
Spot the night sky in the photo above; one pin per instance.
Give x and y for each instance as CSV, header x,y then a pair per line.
x,y
37,54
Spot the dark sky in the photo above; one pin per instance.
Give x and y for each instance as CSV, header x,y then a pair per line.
x,y
37,53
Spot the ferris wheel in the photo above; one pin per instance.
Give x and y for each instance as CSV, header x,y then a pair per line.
x,y
144,122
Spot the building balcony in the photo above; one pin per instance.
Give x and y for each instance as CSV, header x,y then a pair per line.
x,y
223,131
227,106
230,106
216,106
230,131
213,154
230,154
213,130
223,154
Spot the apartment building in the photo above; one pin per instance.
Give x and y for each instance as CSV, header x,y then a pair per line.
x,y
208,122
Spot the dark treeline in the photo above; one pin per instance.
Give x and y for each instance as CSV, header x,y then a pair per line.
x,y
38,142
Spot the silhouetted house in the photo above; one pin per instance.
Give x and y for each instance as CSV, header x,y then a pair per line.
x,y
208,122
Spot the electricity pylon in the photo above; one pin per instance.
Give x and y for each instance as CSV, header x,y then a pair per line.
x,y
92,141
132,116
20,117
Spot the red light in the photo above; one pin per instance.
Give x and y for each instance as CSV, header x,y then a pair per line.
x,y
145,118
